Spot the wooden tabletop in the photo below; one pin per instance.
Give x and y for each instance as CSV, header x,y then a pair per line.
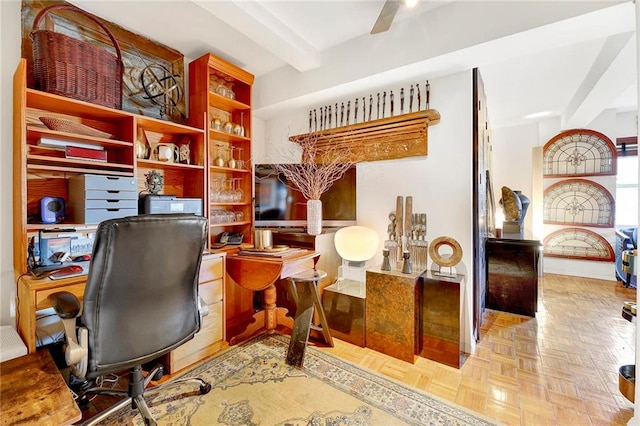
x,y
32,391
255,271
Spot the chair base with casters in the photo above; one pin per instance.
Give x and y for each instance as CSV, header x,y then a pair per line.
x,y
134,395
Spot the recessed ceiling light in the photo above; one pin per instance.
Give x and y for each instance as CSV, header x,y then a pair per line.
x,y
537,114
410,3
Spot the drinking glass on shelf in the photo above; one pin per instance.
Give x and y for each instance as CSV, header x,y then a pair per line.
x,y
222,89
229,216
216,190
238,194
215,216
239,160
229,86
219,160
242,124
232,162
214,82
239,216
229,193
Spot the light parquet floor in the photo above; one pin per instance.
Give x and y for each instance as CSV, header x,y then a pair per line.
x,y
560,368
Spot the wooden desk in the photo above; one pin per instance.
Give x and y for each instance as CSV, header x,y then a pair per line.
x,y
259,273
32,296
32,391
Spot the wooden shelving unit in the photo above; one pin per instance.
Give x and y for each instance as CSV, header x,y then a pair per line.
x,y
389,138
206,105
44,170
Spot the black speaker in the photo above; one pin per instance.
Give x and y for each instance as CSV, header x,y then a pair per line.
x,y
52,209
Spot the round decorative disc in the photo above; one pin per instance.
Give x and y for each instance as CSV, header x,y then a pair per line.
x,y
440,260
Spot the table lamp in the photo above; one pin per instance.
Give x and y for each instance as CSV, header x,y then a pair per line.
x,y
356,245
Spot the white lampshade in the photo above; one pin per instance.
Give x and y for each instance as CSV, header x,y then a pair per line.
x,y
356,243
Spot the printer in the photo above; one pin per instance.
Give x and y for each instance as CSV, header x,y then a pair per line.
x,y
154,204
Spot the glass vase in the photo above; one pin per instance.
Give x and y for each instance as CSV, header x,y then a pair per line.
x,y
314,217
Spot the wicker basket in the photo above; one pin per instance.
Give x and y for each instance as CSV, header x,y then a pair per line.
x,y
74,68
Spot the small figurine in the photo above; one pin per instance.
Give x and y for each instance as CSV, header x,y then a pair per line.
x,y
406,265
386,265
384,102
154,182
355,112
411,92
391,229
427,94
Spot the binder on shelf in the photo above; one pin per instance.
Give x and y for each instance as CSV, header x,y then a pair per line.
x,y
86,154
58,143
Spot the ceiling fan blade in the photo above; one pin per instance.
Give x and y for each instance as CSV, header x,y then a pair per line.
x,y
386,16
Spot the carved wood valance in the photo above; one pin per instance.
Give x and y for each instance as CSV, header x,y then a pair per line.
x,y
389,138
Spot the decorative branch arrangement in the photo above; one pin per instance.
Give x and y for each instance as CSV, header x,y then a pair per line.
x,y
332,117
313,177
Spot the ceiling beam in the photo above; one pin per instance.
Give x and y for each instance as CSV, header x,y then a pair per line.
x,y
256,22
612,72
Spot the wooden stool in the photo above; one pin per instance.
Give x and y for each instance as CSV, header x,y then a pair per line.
x,y
304,290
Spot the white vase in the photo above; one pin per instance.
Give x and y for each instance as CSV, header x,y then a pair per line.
x,y
314,217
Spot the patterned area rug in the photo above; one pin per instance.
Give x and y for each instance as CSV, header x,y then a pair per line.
x,y
252,385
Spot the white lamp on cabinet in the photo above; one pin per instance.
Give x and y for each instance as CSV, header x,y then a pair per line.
x,y
356,245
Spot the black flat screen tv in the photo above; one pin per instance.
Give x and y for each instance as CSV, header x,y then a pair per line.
x,y
280,204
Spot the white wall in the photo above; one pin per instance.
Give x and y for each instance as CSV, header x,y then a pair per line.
x,y
517,144
439,183
10,47
514,144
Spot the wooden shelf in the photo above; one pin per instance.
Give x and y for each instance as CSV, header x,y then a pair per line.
x,y
35,133
231,105
390,138
226,137
168,165
39,163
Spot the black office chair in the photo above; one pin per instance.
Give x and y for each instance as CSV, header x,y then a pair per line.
x,y
140,302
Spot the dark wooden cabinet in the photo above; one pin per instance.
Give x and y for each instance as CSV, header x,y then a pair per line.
x,y
440,325
513,272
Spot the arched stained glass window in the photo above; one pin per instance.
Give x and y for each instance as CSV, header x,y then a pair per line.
x,y
579,202
579,152
576,243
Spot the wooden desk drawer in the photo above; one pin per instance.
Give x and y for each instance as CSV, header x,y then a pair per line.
x,y
208,341
212,268
41,295
211,292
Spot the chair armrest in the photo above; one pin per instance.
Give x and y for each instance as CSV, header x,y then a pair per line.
x,y
65,304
